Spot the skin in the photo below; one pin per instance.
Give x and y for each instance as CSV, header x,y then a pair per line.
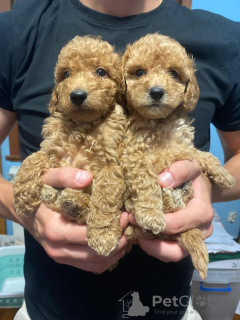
x,y
122,8
65,241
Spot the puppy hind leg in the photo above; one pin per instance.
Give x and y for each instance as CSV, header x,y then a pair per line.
x,y
103,220
144,192
187,191
28,183
175,199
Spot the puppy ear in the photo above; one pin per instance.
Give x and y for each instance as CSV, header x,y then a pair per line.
x,y
53,105
124,83
124,59
120,97
191,93
121,92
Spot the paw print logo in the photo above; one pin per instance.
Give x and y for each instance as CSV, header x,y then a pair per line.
x,y
201,301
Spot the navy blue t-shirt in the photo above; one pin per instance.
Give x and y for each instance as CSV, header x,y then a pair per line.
x,y
31,36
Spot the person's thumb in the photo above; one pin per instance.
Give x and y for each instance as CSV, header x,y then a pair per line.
x,y
67,177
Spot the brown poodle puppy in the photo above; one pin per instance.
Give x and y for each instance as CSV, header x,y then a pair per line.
x,y
161,91
84,130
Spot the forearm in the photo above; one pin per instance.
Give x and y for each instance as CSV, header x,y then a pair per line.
x,y
6,201
229,194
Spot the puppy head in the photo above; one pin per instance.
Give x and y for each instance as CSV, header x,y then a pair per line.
x,y
159,77
87,79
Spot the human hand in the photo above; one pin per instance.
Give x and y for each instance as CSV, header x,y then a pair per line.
x,y
197,214
66,241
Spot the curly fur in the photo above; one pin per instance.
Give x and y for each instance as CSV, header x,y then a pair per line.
x,y
84,134
161,90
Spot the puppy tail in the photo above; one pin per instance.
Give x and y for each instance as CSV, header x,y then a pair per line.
x,y
193,242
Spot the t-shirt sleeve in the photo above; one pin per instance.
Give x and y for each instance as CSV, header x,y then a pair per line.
x,y
227,117
6,60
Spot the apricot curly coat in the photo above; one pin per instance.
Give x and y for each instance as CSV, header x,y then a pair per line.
x,y
161,91
84,130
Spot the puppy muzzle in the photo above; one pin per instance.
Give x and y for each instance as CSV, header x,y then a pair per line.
x,y
78,96
156,93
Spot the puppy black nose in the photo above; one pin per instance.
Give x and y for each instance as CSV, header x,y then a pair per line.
x,y
156,93
78,96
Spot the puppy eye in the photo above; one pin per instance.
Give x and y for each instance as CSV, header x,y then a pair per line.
x,y
101,72
140,72
66,74
174,74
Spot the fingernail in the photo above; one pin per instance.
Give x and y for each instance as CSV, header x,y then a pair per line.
x,y
81,176
166,178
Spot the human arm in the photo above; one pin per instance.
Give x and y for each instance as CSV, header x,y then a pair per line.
x,y
7,120
231,147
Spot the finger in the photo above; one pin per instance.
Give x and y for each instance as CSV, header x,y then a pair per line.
x,y
56,229
85,258
67,177
195,215
91,266
166,251
132,219
202,187
187,219
178,173
124,220
84,252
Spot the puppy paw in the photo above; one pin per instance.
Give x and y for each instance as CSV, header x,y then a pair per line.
x,y
175,199
152,220
49,194
74,204
172,200
103,240
226,181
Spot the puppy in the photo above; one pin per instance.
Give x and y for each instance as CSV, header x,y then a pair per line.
x,y
84,130
161,91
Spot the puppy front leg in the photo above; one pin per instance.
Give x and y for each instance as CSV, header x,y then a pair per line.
x,y
144,192
28,183
103,220
212,168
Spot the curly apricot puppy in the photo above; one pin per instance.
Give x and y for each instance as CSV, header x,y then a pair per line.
x,y
84,130
161,91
